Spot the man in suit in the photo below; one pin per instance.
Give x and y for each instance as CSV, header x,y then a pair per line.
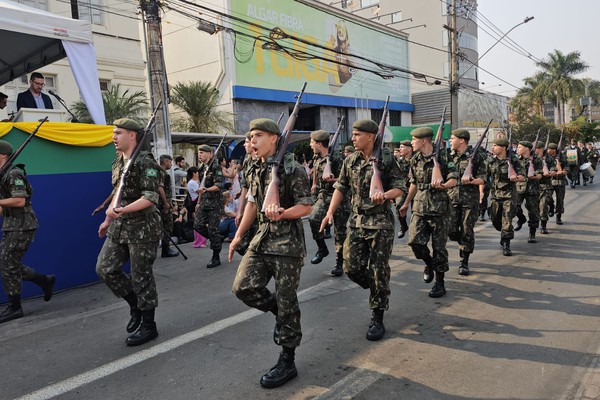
x,y
33,97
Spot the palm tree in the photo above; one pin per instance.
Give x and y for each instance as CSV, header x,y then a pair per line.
x,y
199,101
534,92
116,105
560,83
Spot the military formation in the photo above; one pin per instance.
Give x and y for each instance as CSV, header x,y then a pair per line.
x,y
445,189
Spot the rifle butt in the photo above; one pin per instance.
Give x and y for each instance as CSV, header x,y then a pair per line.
x,y
376,182
272,193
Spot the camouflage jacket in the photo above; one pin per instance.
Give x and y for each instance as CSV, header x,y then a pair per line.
x,y
166,183
15,184
355,176
546,181
214,177
404,166
530,187
283,237
502,187
560,180
143,226
246,164
325,189
467,194
429,201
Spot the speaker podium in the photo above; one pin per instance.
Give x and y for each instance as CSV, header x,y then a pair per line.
x,y
37,114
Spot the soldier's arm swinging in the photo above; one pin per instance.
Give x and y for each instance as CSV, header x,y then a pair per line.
x,y
336,200
247,220
412,191
18,202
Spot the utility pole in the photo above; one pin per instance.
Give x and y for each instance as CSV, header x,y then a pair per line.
x,y
454,79
157,75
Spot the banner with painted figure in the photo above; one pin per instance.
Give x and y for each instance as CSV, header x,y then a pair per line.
x,y
322,51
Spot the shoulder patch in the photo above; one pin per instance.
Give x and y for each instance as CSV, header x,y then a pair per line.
x,y
451,164
19,182
151,172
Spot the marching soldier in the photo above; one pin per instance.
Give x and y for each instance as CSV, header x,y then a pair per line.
x,y
464,198
348,150
165,191
559,183
370,238
277,250
430,209
319,142
545,185
529,190
405,153
18,231
249,159
209,208
133,229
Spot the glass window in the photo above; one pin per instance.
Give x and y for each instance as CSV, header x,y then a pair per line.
x,y
39,4
368,3
104,85
90,10
396,17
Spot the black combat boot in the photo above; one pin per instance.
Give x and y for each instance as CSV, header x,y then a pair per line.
x,y
531,238
13,310
46,282
551,210
481,212
403,228
439,289
339,262
428,273
543,229
327,232
520,221
506,247
283,371
463,269
134,312
146,332
215,261
376,328
322,252
559,219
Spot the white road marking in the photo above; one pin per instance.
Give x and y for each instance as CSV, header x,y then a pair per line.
x,y
354,383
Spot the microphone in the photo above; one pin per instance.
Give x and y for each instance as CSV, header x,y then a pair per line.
x,y
55,95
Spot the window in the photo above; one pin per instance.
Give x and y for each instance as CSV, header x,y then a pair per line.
x,y
396,17
104,85
376,115
90,10
39,4
368,3
395,118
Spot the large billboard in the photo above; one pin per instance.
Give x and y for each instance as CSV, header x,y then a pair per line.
x,y
336,56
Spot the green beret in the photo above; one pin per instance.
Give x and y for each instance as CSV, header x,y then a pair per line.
x,y
526,143
501,142
5,147
205,147
127,123
320,136
365,125
349,149
421,133
407,143
265,124
552,146
461,134
539,145
248,135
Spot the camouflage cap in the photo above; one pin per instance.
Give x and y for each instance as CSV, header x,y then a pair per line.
x,y
539,145
552,146
248,135
461,133
501,142
265,124
205,147
320,136
365,125
5,147
127,123
407,143
421,133
349,149
526,143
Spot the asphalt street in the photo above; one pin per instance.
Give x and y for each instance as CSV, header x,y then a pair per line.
x,y
520,327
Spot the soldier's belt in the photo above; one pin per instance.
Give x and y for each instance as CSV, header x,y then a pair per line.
x,y
424,186
369,211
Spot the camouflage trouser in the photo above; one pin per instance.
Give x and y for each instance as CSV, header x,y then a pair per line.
x,y
421,229
250,286
366,262
462,222
532,204
13,248
559,208
167,224
483,205
399,202
247,238
110,269
207,224
340,221
501,214
545,199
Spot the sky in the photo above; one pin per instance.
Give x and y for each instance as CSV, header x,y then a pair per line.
x,y
563,25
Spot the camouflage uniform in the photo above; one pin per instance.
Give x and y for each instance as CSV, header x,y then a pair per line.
x,y
546,189
210,210
430,212
404,167
464,201
134,236
529,193
167,219
503,195
559,183
18,231
245,242
276,251
370,238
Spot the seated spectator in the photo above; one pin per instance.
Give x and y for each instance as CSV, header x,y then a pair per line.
x,y
183,227
227,226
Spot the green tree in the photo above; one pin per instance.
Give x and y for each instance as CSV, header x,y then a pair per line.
x,y
198,101
116,105
531,97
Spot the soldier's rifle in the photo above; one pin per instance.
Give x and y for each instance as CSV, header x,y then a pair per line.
x,y
469,170
376,182
509,151
531,167
272,193
116,201
436,175
559,168
545,169
16,153
327,171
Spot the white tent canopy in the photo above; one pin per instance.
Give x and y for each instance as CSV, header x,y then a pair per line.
x,y
32,38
